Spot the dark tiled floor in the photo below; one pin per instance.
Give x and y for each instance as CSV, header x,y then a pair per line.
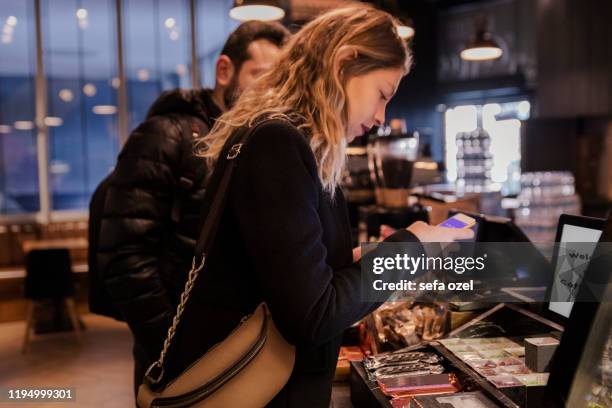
x,y
99,369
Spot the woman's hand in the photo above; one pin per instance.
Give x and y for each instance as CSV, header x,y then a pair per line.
x,y
425,233
428,233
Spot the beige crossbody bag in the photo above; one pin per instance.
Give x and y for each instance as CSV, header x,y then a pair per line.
x,y
249,367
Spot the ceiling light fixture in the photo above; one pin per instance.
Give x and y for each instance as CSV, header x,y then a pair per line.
x,y
482,46
66,95
104,109
170,22
81,14
83,21
53,121
142,75
263,10
23,125
90,89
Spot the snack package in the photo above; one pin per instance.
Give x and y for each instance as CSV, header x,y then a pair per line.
x,y
409,370
533,379
504,381
492,353
393,359
514,369
404,386
458,400
481,363
401,324
515,351
469,356
488,372
507,361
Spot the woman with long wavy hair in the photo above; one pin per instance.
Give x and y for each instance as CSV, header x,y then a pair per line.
x,y
284,235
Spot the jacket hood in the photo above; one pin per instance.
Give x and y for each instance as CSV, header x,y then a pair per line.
x,y
197,103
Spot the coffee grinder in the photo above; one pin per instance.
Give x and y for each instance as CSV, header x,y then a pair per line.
x,y
391,157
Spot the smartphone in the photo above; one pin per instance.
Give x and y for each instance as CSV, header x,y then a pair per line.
x,y
458,221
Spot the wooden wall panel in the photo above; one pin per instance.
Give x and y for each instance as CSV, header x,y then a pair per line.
x,y
574,58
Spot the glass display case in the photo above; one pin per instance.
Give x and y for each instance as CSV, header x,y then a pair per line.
x,y
592,384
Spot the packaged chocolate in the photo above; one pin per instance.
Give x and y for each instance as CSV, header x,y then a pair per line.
x,y
392,359
469,356
507,361
481,363
533,379
452,342
514,369
489,346
460,348
424,384
488,372
504,381
492,353
411,369
515,351
458,400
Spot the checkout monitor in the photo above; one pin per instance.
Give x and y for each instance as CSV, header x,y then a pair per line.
x,y
581,314
571,256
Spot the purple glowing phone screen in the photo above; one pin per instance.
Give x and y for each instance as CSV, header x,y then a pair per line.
x,y
453,223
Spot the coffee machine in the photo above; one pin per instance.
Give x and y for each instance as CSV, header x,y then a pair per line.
x,y
383,173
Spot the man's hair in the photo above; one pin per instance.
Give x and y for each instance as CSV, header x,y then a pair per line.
x,y
238,42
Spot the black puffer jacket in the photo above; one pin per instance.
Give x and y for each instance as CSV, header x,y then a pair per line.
x,y
152,214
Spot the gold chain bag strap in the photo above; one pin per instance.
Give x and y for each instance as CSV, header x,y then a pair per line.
x,y
251,365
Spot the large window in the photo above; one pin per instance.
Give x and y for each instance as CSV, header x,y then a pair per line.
x,y
80,55
485,141
157,51
213,28
18,164
79,46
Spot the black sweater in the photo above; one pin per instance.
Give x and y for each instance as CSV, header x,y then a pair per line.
x,y
281,240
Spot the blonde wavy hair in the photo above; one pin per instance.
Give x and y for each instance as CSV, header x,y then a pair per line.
x,y
307,86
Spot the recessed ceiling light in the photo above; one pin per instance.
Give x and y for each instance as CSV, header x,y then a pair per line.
x,y
81,14
255,10
170,22
59,167
66,95
181,70
90,89
53,121
23,125
104,109
142,75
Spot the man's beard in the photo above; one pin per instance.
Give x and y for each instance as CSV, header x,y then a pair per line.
x,y
232,92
